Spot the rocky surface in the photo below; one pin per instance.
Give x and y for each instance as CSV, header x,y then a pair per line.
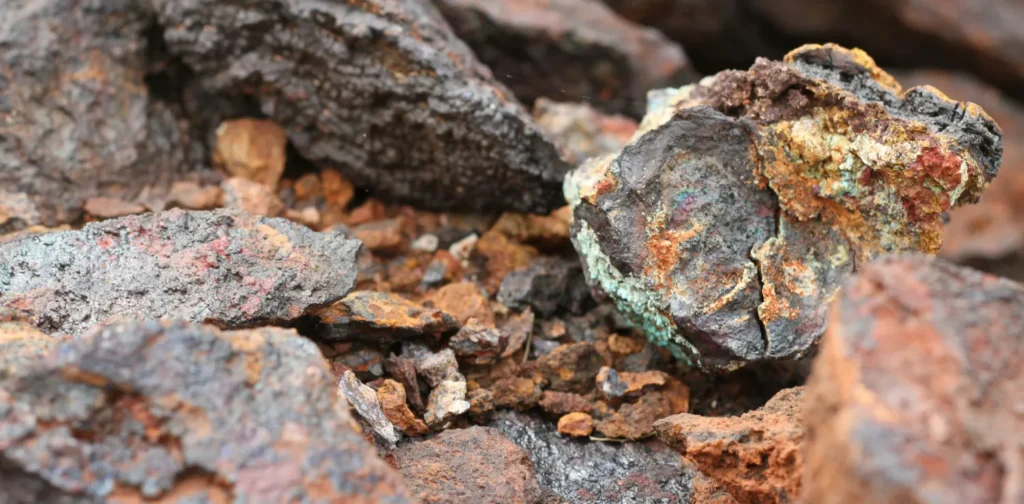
x,y
573,50
580,130
756,457
150,411
77,119
226,268
477,464
727,225
915,396
383,319
403,107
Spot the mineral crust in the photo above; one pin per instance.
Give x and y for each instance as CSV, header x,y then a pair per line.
x,y
727,225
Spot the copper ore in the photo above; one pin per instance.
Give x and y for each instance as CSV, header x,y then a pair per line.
x,y
742,203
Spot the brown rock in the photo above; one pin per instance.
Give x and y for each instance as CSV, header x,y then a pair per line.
x,y
625,345
366,362
516,392
477,464
464,301
636,420
435,367
337,190
615,385
194,196
251,196
578,49
571,368
109,208
404,372
381,236
563,403
21,344
308,216
708,491
364,401
381,318
252,149
582,133
253,412
17,212
477,344
481,404
756,456
391,396
445,402
916,392
501,256
542,231
516,329
308,187
576,425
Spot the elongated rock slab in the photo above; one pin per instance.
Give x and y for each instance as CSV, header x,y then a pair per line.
x,y
184,413
380,89
728,224
226,268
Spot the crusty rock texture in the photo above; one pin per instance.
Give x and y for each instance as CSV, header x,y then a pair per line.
x,y
380,89
77,119
756,457
742,203
916,393
569,50
178,412
225,268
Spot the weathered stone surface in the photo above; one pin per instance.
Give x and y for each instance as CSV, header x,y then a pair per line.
x,y
382,318
17,212
464,300
403,106
576,424
20,345
434,367
756,456
476,344
571,368
635,420
600,472
391,396
403,370
382,236
516,392
251,196
516,330
563,403
175,411
225,268
109,208
614,385
477,464
363,400
549,284
193,196
253,149
445,402
568,49
916,393
77,119
728,224
580,131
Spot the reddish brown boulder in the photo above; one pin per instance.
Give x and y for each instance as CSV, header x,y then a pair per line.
x,y
183,412
226,268
755,456
477,464
916,393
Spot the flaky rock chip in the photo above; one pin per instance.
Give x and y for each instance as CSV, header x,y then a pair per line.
x,y
380,89
226,268
726,226
179,412
916,393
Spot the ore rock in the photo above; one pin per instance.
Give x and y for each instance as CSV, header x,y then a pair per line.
x,y
476,344
576,424
183,412
403,371
725,228
635,420
601,472
250,196
382,318
393,402
445,402
571,367
516,392
563,403
581,132
225,268
364,400
477,464
548,285
77,119
569,49
756,456
916,393
381,90
252,149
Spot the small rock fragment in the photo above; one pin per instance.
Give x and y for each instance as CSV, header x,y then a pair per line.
x,y
563,403
636,420
337,190
516,330
546,285
109,208
476,344
916,393
136,410
501,256
251,149
366,362
578,49
548,232
445,402
403,370
581,131
381,236
381,318
615,386
756,456
391,396
21,344
425,243
576,425
461,249
250,196
481,404
516,392
435,367
477,464
17,212
571,368
364,400
226,268
399,107
727,225
464,301
192,196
